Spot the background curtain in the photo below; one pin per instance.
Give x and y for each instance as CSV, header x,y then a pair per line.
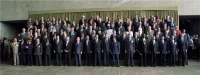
x,y
76,16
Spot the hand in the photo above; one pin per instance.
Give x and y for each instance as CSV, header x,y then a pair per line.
x,y
118,52
81,52
91,51
125,51
40,53
54,51
133,51
140,54
102,51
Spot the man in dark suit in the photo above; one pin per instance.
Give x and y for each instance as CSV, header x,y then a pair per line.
x,y
115,51
72,35
22,52
173,49
182,46
81,31
97,50
122,43
130,49
88,50
78,51
67,48
29,48
38,52
163,52
143,45
58,50
153,47
106,49
47,53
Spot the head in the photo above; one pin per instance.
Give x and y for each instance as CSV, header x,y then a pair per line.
x,y
57,37
23,29
172,37
162,38
15,40
67,38
87,37
154,38
78,39
38,40
183,31
114,39
97,36
106,35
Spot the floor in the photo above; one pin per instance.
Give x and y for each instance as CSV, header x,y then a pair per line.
x,y
192,69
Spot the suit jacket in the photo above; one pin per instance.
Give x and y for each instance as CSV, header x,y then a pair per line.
x,y
163,47
153,47
79,32
143,46
97,46
78,48
29,50
67,46
58,46
130,45
115,47
182,45
47,48
22,48
15,47
38,49
172,46
87,47
72,36
106,46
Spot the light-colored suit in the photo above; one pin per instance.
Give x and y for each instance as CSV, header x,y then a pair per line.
x,y
15,48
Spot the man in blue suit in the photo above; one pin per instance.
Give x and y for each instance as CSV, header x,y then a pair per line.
x,y
172,50
78,51
163,52
29,49
182,46
115,51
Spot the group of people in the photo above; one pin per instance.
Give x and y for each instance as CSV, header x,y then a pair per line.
x,y
155,41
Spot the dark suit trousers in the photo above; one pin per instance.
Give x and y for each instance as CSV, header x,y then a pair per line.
x,y
29,59
115,57
67,58
22,58
78,59
47,60
162,60
88,59
106,58
182,58
172,58
143,59
130,58
58,59
97,57
153,59
38,60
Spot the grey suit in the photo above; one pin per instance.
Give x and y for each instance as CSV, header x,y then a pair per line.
x,y
130,47
38,52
